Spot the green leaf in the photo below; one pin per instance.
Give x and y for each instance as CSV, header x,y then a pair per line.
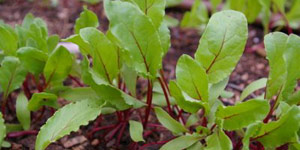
x,y
87,19
193,119
278,132
218,140
196,146
294,98
23,114
104,53
216,90
34,60
215,4
66,120
2,129
12,75
170,21
280,4
136,131
191,77
58,65
250,8
41,99
171,3
243,114
227,94
258,84
266,14
294,15
129,77
9,42
165,37
137,35
191,105
84,47
220,51
77,94
52,42
167,121
13,128
6,144
181,142
275,44
196,17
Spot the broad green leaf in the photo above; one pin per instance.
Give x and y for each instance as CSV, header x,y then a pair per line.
x,y
279,4
251,8
191,77
6,144
216,90
2,129
129,77
258,84
294,98
181,142
275,44
227,94
52,42
9,42
12,75
165,37
220,51
137,35
104,53
291,58
193,119
77,94
87,19
243,114
171,21
215,4
34,60
136,131
171,3
84,47
58,65
196,17
23,114
278,132
65,120
196,146
167,121
266,14
218,140
42,99
294,14
191,106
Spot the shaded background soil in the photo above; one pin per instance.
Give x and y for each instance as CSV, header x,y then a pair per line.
x,y
60,20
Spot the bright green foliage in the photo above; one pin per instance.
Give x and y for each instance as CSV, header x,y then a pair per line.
x,y
192,78
277,132
251,8
136,131
196,17
104,53
2,129
279,4
42,99
84,47
191,105
66,120
167,121
58,65
129,77
294,15
11,40
220,51
33,59
258,84
266,14
215,4
12,75
170,3
181,142
218,140
243,114
23,114
87,19
77,94
137,35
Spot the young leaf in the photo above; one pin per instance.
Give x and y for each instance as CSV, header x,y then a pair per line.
x,y
218,140
23,114
196,17
215,4
167,121
243,114
41,99
87,19
182,102
34,60
191,77
258,84
2,130
294,98
52,42
58,65
181,142
104,53
278,132
275,44
77,94
84,47
266,14
220,51
9,42
66,120
137,35
250,8
136,131
12,75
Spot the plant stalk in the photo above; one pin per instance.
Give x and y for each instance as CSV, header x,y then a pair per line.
x,y
149,103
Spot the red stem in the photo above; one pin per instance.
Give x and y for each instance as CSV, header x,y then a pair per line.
x,y
21,133
26,87
166,96
149,103
155,143
121,133
76,81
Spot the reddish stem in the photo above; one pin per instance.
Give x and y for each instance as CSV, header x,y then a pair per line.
x,y
26,87
155,143
149,103
21,133
76,81
166,96
121,133
90,134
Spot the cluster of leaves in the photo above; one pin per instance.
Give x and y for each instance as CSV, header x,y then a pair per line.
x,y
133,48
252,9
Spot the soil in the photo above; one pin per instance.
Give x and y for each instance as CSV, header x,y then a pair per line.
x,y
60,21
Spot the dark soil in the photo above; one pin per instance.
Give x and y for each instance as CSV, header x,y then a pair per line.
x,y
60,21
